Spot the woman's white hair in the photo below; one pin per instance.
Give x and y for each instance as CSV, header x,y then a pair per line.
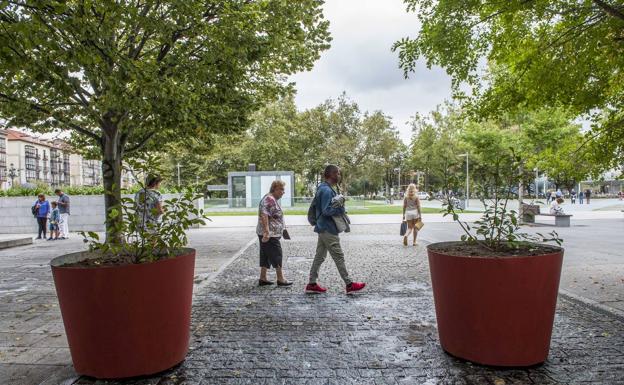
x,y
276,184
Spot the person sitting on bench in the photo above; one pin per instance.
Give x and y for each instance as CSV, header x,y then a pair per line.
x,y
555,207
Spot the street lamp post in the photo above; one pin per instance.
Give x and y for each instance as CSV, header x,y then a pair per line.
x,y
398,169
467,180
13,172
418,175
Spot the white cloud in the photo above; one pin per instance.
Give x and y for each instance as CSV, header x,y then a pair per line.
x,y
361,63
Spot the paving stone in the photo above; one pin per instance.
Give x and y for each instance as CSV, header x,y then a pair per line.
x,y
387,335
244,334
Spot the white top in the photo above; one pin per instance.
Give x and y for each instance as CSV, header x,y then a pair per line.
x,y
555,208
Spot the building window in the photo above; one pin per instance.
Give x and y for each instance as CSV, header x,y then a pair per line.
x,y
31,163
46,166
3,170
55,166
3,165
66,172
91,172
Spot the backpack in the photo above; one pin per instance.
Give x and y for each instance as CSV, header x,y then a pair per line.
x,y
34,210
312,218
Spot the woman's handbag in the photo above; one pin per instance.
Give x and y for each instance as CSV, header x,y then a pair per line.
x,y
419,224
285,234
403,228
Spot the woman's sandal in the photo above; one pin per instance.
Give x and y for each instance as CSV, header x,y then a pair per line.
x,y
285,283
264,283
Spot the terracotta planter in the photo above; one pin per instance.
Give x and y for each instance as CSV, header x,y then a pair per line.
x,y
126,321
495,311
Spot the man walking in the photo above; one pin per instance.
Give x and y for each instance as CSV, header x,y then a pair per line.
x,y
328,240
63,205
587,195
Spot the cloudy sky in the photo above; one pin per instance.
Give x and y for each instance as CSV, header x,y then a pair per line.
x,y
361,63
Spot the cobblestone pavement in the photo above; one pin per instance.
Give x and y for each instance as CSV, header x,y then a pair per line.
x,y
33,345
243,334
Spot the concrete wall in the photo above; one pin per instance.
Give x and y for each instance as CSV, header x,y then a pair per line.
x,y
87,213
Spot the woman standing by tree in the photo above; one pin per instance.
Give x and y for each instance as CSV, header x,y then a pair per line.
x,y
411,212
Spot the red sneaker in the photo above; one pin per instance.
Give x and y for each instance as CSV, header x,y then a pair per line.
x,y
315,288
355,286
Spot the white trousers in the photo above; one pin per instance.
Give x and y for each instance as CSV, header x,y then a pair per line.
x,y
64,225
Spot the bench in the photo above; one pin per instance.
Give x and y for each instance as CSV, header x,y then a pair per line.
x,y
528,212
561,220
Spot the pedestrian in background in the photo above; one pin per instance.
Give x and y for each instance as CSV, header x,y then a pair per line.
x,y
573,196
411,212
55,217
581,197
41,209
270,229
587,195
149,203
63,206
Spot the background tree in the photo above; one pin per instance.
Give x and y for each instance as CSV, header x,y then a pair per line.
x,y
436,144
542,53
565,165
122,76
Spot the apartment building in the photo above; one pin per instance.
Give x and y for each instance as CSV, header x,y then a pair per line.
x,y
31,159
28,159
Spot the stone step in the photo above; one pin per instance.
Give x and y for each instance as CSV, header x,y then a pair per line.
x,y
6,243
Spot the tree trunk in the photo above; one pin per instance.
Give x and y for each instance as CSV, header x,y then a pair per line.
x,y
112,153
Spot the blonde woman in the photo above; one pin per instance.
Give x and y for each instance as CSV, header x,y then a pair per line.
x,y
411,212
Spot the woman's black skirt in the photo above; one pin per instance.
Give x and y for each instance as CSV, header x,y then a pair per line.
x,y
270,253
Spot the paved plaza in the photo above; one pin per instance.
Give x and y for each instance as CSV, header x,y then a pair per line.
x,y
243,334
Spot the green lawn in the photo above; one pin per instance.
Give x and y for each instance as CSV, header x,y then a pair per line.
x,y
381,209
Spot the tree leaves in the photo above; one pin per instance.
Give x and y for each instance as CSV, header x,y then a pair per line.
x,y
537,54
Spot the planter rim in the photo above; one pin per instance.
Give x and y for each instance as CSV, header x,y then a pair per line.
x,y
559,249
60,261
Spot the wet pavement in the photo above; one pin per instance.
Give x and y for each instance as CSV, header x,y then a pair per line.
x,y
243,334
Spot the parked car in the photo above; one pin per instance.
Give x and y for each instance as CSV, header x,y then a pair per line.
x,y
458,204
422,195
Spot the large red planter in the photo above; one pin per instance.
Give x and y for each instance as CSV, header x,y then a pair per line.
x,y
495,311
126,321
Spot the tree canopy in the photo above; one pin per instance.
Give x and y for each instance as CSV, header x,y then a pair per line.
x,y
365,145
125,75
546,53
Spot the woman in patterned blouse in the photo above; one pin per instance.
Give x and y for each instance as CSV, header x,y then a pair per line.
x,y
270,229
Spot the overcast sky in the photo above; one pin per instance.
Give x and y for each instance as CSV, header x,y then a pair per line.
x,y
361,63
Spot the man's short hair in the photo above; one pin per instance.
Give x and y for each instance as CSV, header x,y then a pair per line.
x,y
330,169
58,190
152,180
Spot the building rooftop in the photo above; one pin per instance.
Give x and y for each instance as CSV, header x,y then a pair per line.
x,y
15,135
